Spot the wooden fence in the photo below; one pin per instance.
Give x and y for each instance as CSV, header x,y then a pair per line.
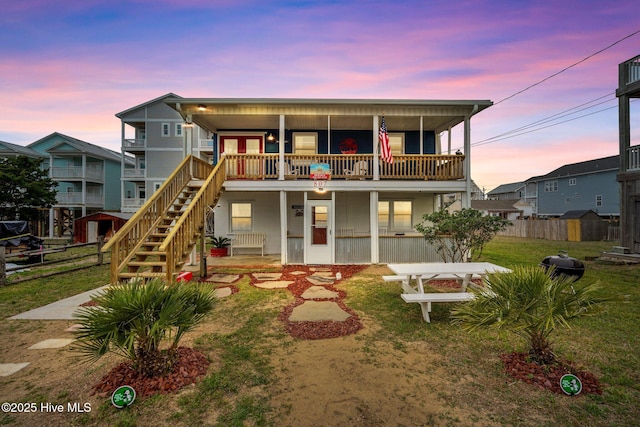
x,y
572,230
38,261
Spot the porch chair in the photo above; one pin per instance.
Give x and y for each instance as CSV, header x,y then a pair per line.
x,y
289,172
359,171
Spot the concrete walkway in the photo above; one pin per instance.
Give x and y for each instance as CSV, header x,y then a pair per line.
x,y
59,310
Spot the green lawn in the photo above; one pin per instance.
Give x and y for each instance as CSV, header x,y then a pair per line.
x,y
247,333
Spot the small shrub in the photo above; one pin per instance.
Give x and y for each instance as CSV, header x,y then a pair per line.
x,y
135,318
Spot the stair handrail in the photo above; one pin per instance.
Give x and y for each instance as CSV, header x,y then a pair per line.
x,y
133,233
178,242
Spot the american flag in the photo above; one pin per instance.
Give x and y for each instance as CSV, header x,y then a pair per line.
x,y
383,138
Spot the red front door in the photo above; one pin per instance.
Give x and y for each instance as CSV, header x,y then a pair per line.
x,y
242,145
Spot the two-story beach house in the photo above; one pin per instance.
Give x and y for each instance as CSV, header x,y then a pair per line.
x,y
88,178
306,175
629,173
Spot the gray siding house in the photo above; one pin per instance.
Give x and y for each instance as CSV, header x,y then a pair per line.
x,y
590,185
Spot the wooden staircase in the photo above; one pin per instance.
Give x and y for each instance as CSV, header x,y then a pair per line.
x,y
156,241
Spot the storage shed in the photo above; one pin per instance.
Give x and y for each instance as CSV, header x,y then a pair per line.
x,y
88,228
585,225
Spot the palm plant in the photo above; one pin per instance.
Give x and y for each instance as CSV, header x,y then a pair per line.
x,y
529,302
135,318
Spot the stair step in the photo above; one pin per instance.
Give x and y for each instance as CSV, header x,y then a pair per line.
x,y
146,263
142,275
150,253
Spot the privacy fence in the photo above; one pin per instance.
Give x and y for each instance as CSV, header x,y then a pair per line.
x,y
572,230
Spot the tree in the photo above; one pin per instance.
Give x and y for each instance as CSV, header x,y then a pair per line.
x,y
26,187
133,319
460,234
529,302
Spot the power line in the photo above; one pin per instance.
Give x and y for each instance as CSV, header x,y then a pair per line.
x,y
556,116
569,67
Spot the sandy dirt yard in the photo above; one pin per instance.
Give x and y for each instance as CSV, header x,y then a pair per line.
x,y
358,379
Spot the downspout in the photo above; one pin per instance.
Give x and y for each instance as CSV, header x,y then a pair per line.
x,y
466,197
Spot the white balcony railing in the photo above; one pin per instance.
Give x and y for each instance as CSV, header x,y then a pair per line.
x,y
75,198
205,143
632,70
134,143
133,173
76,172
131,203
634,158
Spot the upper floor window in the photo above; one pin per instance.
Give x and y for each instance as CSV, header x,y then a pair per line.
x,y
550,186
305,143
572,181
178,129
241,217
598,200
166,129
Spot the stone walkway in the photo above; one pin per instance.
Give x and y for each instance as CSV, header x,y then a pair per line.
x,y
320,304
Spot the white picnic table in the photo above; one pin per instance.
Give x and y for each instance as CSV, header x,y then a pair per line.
x,y
424,272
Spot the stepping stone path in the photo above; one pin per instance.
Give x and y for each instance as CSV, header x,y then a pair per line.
x,y
223,278
320,304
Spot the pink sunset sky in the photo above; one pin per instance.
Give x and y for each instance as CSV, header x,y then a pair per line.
x,y
70,66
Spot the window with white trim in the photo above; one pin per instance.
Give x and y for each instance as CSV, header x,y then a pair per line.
x,y
396,215
598,200
572,181
179,129
241,216
305,143
550,186
166,129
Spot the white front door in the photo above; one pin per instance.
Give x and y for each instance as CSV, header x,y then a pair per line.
x,y
318,232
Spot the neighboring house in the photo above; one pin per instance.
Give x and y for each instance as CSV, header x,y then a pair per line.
x,y
88,178
270,148
514,190
154,135
589,185
8,149
453,202
629,164
507,209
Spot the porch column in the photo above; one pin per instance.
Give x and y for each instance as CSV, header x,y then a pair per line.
x,y
281,144
283,226
376,160
52,220
466,196
84,184
421,135
373,225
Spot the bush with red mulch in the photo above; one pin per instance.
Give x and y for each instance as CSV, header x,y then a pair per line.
x,y
518,366
189,366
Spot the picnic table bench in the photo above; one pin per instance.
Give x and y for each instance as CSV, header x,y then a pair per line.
x,y
424,272
248,240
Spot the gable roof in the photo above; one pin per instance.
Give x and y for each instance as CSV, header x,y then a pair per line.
x,y
495,205
82,146
590,166
144,104
507,188
7,148
577,214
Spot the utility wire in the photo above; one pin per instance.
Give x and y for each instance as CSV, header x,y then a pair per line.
x,y
569,67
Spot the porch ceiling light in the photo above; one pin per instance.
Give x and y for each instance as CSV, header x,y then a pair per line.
x,y
202,107
270,137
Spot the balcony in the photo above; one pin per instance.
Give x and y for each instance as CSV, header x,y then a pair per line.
x,y
633,154
132,203
135,145
631,71
347,166
75,198
133,173
92,172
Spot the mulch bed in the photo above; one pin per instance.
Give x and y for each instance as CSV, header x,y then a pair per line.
x,y
325,329
518,366
190,366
